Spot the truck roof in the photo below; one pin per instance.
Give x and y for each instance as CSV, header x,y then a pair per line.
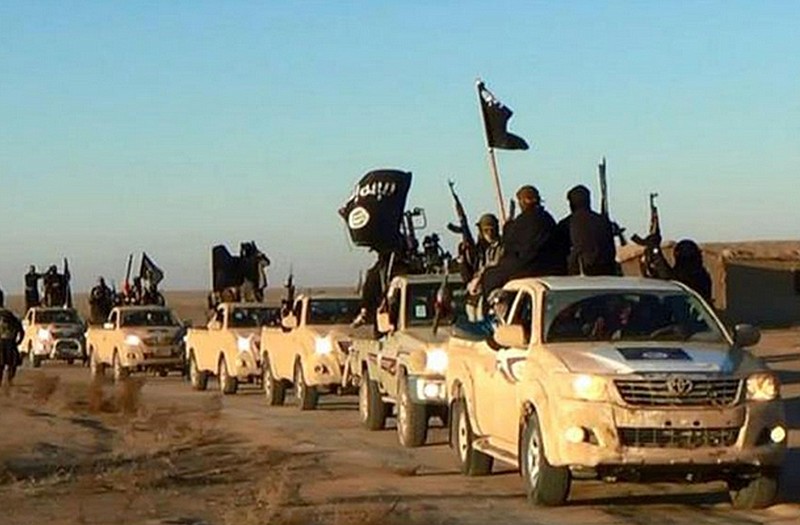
x,y
598,283
323,294
51,309
247,305
132,307
429,278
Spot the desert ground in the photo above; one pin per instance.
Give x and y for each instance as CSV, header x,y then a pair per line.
x,y
153,451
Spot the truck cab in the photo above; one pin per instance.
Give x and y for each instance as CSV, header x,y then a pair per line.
x,y
227,347
405,367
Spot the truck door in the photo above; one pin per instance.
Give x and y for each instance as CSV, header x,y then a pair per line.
x,y
507,372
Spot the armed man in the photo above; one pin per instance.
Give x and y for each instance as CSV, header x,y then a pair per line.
x,y
101,301
11,334
590,236
528,245
32,288
689,268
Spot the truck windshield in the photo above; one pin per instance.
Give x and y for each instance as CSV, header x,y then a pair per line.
x,y
148,318
57,316
253,317
333,311
422,299
641,315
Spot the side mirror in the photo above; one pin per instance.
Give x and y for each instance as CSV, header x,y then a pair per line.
x,y
745,335
510,336
108,326
289,322
384,323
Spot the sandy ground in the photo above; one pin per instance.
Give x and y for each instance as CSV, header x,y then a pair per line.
x,y
152,451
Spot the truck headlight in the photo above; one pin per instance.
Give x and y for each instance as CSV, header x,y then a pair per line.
x,y
436,360
762,387
43,334
133,340
589,387
323,345
243,343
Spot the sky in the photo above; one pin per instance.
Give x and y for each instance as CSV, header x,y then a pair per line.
x,y
169,127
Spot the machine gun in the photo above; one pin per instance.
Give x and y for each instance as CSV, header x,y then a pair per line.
x,y
468,248
616,230
653,262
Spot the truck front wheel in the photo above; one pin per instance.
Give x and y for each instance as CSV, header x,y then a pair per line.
x,y
274,389
371,408
307,396
227,383
545,484
755,493
120,372
412,418
198,378
473,462
96,368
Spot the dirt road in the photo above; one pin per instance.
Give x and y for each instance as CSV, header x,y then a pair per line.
x,y
158,453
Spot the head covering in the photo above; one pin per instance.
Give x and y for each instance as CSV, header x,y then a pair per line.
x,y
529,189
488,219
579,197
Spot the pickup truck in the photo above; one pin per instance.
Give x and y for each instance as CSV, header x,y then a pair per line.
x,y
136,339
53,333
228,346
310,349
406,366
618,379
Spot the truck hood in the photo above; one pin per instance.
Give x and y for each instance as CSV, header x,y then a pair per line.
x,y
651,357
64,329
153,331
337,332
425,336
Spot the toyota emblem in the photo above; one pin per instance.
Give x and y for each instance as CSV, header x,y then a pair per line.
x,y
679,386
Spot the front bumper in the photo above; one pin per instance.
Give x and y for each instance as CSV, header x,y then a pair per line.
x,y
64,348
623,436
428,390
246,366
151,357
323,370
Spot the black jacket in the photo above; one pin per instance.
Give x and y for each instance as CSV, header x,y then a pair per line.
x,y
592,248
529,250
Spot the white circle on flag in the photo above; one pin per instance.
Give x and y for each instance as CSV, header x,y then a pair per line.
x,y
358,218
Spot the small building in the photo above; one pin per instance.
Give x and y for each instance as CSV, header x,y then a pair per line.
x,y
754,282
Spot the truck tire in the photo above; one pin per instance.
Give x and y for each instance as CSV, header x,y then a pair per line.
x,y
307,396
412,418
227,384
473,462
198,378
754,493
120,372
96,368
33,359
274,389
545,484
371,409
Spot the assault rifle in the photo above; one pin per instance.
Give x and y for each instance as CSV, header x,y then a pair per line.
x,y
654,234
616,230
469,249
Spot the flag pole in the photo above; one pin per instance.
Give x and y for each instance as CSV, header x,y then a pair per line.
x,y
498,189
492,159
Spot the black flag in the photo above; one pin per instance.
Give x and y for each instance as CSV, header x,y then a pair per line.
x,y
148,271
495,120
374,210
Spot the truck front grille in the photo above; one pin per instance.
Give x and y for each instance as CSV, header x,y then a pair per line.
x,y
677,437
687,392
